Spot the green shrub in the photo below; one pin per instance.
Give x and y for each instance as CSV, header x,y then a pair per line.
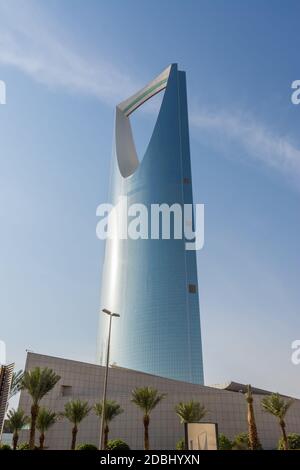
x,y
241,441
224,443
117,444
86,447
180,445
293,440
5,447
25,446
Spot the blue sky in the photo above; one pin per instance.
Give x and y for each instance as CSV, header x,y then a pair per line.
x,y
66,64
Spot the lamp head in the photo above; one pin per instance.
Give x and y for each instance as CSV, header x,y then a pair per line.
x,y
106,311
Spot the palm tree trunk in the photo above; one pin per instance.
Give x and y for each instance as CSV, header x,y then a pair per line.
x,y
34,413
186,444
252,429
15,440
42,440
74,435
106,431
146,432
285,439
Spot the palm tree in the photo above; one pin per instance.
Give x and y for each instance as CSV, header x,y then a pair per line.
x,y
146,398
111,410
254,443
16,383
16,421
190,412
45,419
38,382
75,412
278,407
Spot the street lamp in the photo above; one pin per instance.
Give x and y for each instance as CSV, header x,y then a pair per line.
x,y
104,310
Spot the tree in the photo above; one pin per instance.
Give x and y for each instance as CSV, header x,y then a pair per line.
x,y
75,412
254,443
111,410
16,383
224,443
16,421
146,398
278,407
189,412
23,446
38,382
5,447
180,445
86,447
241,441
117,444
45,419
293,440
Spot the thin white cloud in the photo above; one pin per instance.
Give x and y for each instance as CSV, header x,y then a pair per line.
x,y
31,42
259,142
34,45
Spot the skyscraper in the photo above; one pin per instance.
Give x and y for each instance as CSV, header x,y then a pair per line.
x,y
152,283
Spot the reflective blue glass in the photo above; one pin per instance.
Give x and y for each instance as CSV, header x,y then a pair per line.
x,y
151,283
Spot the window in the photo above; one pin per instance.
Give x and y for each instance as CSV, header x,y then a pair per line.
x,y
66,390
186,181
192,288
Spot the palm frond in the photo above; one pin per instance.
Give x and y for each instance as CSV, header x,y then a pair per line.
x,y
146,398
190,412
111,410
45,419
17,420
276,405
76,410
38,382
16,383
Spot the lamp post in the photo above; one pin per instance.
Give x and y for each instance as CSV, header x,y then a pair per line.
x,y
104,310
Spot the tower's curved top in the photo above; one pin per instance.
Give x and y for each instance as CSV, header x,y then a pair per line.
x,y
125,148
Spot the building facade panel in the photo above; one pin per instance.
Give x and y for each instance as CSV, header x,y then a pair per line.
x,y
226,408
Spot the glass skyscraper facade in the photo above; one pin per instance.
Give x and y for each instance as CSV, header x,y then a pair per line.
x,y
152,283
